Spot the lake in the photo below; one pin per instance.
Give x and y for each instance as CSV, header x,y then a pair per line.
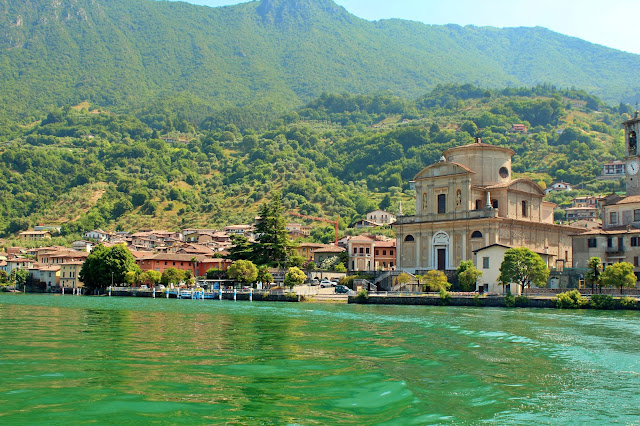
x,y
74,359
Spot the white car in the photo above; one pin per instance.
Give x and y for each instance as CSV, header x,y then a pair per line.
x,y
325,283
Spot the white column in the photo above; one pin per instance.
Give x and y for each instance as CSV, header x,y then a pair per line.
x,y
418,250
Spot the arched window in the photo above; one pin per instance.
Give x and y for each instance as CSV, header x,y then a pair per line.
x,y
442,203
476,234
409,239
633,142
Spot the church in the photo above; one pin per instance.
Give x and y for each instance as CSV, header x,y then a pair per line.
x,y
469,201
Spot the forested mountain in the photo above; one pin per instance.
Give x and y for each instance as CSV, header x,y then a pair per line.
x,y
261,58
337,155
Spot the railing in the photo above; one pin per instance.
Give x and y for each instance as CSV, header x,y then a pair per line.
x,y
614,249
436,217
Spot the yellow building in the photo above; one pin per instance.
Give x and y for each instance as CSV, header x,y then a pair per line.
x,y
467,201
69,274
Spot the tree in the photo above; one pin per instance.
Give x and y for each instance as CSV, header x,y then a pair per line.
x,y
4,277
172,276
403,278
244,271
468,275
273,246
294,276
619,275
241,249
106,265
150,278
594,273
19,277
435,280
385,203
216,274
340,268
523,267
264,276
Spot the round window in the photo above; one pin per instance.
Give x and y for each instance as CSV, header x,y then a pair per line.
x,y
504,172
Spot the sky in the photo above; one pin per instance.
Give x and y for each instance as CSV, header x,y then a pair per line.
x,y
597,21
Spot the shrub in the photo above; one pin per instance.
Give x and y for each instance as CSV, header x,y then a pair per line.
x,y
363,295
478,301
445,297
291,297
570,300
521,301
628,302
602,301
509,300
347,281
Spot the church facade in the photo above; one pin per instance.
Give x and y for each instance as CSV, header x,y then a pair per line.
x,y
468,201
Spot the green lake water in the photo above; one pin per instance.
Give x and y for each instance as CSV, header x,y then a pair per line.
x,y
70,359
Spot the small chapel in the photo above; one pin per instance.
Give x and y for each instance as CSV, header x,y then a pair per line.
x,y
469,201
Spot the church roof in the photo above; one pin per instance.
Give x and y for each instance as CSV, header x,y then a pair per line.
x,y
629,200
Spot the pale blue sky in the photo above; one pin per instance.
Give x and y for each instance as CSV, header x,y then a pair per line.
x,y
607,22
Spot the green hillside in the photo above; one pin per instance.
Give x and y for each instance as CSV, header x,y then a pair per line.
x,y
262,58
337,155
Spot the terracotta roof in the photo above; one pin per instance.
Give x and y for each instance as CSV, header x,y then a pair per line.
x,y
391,243
629,200
330,249
318,245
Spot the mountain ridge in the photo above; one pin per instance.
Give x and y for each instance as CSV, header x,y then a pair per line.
x,y
270,55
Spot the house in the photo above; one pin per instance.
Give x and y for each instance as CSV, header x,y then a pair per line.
x,y
307,250
381,217
69,275
297,230
51,228
467,201
518,128
35,235
580,213
196,264
18,263
558,186
246,230
385,255
46,274
83,246
364,223
328,251
489,260
612,170
98,235
361,249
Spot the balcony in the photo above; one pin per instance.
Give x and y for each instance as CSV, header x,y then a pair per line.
x,y
614,250
441,217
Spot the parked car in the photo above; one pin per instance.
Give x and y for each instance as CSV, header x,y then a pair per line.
x,y
325,283
342,289
315,281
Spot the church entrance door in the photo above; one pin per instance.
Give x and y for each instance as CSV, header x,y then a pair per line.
x,y
442,259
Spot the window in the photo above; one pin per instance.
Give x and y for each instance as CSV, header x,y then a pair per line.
x,y
355,250
391,253
409,238
592,243
636,215
377,252
367,250
609,242
504,172
476,234
524,209
485,263
494,204
442,203
478,204
635,241
613,218
361,250
635,261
